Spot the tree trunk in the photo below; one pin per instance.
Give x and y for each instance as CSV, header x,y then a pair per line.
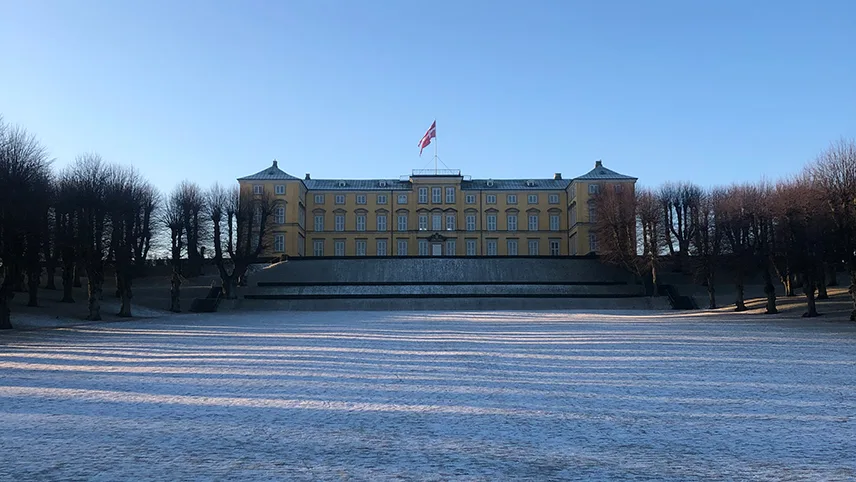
x,y
50,273
821,286
175,292
77,270
654,279
67,283
809,287
33,287
6,295
832,275
123,281
230,286
740,304
711,295
95,284
770,291
852,292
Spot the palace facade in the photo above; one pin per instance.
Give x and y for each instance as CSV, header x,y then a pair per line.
x,y
432,213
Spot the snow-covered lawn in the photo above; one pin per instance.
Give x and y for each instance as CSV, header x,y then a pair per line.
x,y
430,396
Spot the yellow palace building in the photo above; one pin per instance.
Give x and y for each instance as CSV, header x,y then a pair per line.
x,y
432,213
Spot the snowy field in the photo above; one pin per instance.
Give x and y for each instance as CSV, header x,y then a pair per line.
x,y
430,396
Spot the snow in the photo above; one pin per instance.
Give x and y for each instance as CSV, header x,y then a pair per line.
x,y
431,396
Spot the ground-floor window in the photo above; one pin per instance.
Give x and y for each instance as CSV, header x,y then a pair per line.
x,y
361,247
301,245
401,247
279,242
451,247
381,247
471,247
318,247
592,242
424,249
533,247
339,247
491,247
555,247
511,244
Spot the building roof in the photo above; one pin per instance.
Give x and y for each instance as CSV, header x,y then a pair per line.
x,y
516,184
600,173
273,173
357,185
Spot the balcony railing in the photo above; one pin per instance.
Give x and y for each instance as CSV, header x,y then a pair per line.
x,y
436,172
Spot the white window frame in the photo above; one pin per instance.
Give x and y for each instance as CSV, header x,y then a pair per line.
x,y
555,247
490,199
511,222
402,199
592,242
491,247
361,222
553,199
436,195
318,247
451,247
382,199
423,222
362,199
340,199
511,199
402,222
318,222
511,246
279,242
424,247
279,189
592,213
381,222
450,195
360,247
319,199
401,247
554,222
472,247
470,199
339,247
491,222
532,199
279,215
533,222
422,195
451,222
533,243
471,222
593,188
339,222
381,247
258,189
436,222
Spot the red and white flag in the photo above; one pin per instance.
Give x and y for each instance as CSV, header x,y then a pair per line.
x,y
426,139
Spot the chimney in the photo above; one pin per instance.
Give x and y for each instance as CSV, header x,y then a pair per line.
x,y
557,176
307,176
274,163
598,163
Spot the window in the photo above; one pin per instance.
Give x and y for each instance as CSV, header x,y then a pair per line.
x,y
471,222
533,222
339,247
553,199
402,222
319,199
512,222
450,222
301,245
423,247
279,242
301,216
451,247
423,195
573,214
423,222
361,198
361,247
381,222
401,247
594,188
279,215
450,195
511,244
532,199
402,199
470,199
279,189
491,222
490,199
618,188
533,247
436,195
436,221
471,247
554,247
319,222
381,247
491,247
381,198
511,199
258,189
592,213
340,199
361,222
554,222
339,222
573,244
318,247
592,242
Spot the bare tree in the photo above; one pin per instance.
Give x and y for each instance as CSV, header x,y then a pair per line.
x,y
761,215
240,218
171,217
191,198
89,178
736,223
24,171
706,245
680,204
650,231
834,174
615,227
67,244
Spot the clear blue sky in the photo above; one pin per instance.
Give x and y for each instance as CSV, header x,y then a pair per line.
x,y
713,91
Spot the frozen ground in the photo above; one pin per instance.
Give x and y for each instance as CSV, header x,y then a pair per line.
x,y
430,396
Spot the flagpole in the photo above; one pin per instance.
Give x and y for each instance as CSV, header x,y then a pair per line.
x,y
436,171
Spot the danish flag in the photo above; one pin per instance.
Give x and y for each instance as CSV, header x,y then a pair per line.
x,y
426,139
